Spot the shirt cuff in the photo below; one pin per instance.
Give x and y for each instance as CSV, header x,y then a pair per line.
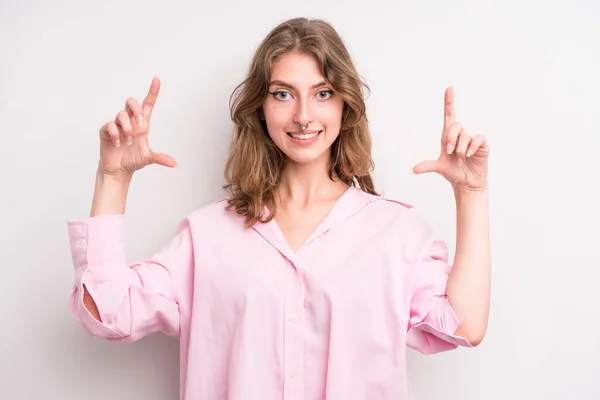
x,y
437,330
98,249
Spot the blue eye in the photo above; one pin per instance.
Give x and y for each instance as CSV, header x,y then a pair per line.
x,y
278,96
327,94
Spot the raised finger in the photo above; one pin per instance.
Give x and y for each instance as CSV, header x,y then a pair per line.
x,y
150,100
134,109
452,136
449,115
111,131
122,120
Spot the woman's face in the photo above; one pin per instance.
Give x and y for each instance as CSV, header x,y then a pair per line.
x,y
298,96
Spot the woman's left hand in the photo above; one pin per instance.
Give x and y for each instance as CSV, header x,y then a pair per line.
x,y
464,159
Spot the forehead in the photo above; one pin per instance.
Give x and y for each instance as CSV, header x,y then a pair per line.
x,y
296,69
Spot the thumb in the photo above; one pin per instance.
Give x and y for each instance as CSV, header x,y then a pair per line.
x,y
426,167
163,159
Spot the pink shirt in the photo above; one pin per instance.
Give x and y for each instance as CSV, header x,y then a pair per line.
x,y
257,321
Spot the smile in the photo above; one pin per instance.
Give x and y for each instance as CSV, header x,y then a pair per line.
x,y
304,136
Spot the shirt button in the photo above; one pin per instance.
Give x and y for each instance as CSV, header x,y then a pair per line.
x,y
293,375
82,243
294,318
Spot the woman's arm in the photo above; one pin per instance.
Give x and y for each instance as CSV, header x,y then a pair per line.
x,y
463,161
468,287
110,197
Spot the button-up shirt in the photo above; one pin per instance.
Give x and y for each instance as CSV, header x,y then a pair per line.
x,y
258,321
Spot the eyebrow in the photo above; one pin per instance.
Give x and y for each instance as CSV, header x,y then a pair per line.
x,y
287,85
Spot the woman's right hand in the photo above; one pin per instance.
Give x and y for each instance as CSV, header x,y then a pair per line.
x,y
124,146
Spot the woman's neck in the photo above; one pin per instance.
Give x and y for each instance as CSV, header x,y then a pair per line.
x,y
301,184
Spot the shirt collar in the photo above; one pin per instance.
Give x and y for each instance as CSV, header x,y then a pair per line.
x,y
348,204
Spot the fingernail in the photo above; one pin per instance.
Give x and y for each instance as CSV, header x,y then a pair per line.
x,y
449,148
129,140
140,119
460,161
117,143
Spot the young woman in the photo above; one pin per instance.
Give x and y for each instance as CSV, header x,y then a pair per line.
x,y
304,283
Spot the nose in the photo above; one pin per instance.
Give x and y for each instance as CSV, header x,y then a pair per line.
x,y
303,114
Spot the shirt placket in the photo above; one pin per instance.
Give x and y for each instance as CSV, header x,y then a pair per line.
x,y
293,372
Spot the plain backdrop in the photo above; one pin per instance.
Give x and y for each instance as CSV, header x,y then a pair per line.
x,y
525,75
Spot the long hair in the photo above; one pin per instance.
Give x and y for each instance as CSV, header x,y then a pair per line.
x,y
254,168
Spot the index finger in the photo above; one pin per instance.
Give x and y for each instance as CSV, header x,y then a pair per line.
x,y
448,108
150,100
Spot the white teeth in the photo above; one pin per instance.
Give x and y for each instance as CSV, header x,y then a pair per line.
x,y
304,136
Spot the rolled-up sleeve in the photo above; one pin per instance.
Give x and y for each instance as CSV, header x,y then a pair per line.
x,y
432,321
133,299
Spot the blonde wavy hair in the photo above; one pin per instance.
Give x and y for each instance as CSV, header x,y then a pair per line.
x,y
255,164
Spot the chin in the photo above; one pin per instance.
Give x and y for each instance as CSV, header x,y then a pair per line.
x,y
306,158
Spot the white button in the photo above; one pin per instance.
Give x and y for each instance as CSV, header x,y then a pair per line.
x,y
82,243
293,375
294,318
